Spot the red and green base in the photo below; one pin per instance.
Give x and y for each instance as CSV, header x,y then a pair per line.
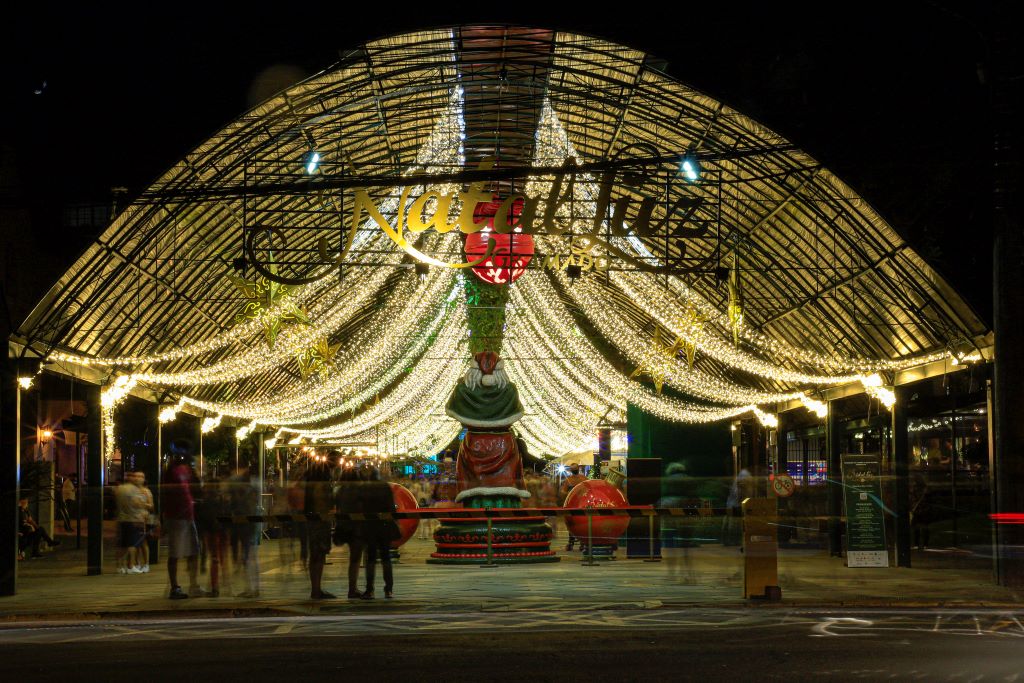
x,y
519,540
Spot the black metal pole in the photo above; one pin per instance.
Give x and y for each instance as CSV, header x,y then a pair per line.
x,y
153,480
901,468
78,490
9,467
833,487
95,474
1008,292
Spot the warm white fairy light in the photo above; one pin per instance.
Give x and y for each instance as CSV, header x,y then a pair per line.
x,y
117,391
539,304
244,431
209,424
442,151
820,408
236,334
111,396
626,337
544,411
875,387
553,147
290,341
568,389
109,434
664,307
425,389
766,419
549,381
169,413
376,355
25,382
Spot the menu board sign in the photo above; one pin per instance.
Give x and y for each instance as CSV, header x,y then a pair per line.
x,y
865,522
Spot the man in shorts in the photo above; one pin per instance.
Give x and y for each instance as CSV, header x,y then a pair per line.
x,y
131,524
180,520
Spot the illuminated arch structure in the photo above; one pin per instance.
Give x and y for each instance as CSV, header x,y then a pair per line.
x,y
825,294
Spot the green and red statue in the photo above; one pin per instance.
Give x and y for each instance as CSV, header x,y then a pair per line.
x,y
489,473
489,467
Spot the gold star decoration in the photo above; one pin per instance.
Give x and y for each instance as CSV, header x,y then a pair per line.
x,y
262,295
695,324
318,359
654,367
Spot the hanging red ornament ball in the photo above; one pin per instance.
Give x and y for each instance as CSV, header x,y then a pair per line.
x,y
512,251
596,493
404,500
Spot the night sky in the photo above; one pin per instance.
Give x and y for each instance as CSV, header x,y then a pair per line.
x,y
889,98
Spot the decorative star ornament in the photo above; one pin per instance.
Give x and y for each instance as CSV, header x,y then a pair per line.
x,y
318,359
653,367
263,295
695,324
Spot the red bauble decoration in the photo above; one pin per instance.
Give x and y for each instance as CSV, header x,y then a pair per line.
x,y
404,500
512,251
597,493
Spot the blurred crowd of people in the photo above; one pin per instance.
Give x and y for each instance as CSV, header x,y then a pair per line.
x,y
213,528
206,523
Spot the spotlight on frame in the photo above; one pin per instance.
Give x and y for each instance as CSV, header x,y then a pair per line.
x,y
312,162
690,167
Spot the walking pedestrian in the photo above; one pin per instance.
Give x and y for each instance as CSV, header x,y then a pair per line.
x,y
375,497
131,524
347,502
152,522
244,499
319,507
179,519
296,499
209,510
69,493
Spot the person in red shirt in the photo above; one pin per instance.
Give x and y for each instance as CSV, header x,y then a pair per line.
x,y
180,519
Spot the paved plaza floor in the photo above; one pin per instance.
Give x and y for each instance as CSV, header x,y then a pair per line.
x,y
56,586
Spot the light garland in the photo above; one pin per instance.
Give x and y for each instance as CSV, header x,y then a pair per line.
x,y
565,381
112,396
766,419
819,408
442,150
545,310
375,357
875,388
209,424
553,147
242,432
169,413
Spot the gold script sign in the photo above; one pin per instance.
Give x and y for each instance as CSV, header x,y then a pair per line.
x,y
432,209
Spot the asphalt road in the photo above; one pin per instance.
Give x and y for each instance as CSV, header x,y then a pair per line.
x,y
648,645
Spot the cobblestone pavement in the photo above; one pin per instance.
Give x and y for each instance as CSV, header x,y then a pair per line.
x,y
56,585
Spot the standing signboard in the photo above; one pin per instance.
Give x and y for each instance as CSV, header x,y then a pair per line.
x,y
865,523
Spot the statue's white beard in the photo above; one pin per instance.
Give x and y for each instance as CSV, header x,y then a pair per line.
x,y
475,378
498,378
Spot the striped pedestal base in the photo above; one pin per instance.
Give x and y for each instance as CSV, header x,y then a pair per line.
x,y
518,540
